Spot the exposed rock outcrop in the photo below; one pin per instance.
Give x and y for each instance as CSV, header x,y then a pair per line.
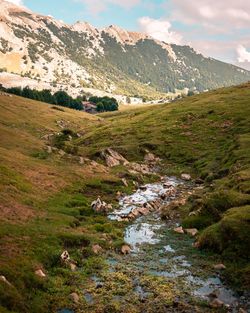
x,y
113,158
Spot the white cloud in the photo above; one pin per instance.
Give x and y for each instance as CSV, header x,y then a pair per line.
x,y
242,54
98,6
159,29
219,16
17,2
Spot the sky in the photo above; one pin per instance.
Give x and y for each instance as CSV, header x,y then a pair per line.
x,y
216,28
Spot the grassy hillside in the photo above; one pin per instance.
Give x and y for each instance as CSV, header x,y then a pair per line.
x,y
45,208
45,195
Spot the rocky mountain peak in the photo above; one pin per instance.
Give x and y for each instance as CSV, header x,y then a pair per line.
x,y
9,9
123,36
85,27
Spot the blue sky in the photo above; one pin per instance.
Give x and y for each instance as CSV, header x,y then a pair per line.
x,y
216,28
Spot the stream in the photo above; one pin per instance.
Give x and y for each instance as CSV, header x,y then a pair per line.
x,y
163,271
158,251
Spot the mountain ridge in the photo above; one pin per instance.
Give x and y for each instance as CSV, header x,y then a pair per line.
x,y
110,59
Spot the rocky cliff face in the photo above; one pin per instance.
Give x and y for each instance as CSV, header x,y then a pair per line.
x,y
110,59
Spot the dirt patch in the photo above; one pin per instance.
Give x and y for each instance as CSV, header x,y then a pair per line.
x,y
17,213
45,179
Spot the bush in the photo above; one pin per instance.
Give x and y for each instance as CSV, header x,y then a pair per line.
x,y
105,103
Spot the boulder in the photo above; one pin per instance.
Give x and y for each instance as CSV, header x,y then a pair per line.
x,y
4,280
100,206
40,273
186,177
179,230
49,149
109,207
191,231
124,181
61,152
97,249
72,266
113,158
125,249
219,266
151,158
81,160
65,256
74,297
137,168
242,310
216,303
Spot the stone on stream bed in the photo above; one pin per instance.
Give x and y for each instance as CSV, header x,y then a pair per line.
x,y
125,249
179,230
186,177
191,231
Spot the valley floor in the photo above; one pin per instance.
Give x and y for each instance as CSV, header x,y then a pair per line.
x,y
53,165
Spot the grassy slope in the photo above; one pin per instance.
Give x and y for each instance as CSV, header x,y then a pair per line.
x,y
208,135
45,198
45,208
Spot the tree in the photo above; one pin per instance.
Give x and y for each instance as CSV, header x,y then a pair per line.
x,y
47,97
99,107
28,93
105,103
62,98
15,91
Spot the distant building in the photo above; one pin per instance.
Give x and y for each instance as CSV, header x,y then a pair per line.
x,y
89,107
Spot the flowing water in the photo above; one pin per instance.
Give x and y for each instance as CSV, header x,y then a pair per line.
x,y
158,251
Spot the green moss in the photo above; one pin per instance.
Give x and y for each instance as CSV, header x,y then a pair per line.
x,y
198,221
230,235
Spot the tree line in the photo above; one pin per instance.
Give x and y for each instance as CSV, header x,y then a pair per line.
x,y
59,98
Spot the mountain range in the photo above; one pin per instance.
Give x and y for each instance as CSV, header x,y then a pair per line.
x,y
111,59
